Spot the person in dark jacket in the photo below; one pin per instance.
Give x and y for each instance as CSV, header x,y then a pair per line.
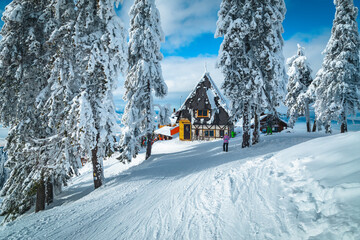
x,y
226,142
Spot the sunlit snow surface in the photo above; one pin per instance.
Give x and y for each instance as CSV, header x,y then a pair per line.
x,y
289,186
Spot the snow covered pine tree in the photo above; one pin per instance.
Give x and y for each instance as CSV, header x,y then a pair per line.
x,y
251,58
55,98
242,79
267,45
297,100
143,77
101,40
338,81
22,76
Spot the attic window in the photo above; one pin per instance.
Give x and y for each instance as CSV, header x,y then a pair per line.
x,y
203,113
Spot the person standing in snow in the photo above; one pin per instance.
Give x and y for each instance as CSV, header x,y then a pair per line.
x,y
226,142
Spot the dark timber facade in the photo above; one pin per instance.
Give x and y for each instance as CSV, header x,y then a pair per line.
x,y
204,114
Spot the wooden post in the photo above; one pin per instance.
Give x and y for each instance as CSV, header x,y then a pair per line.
x,y
202,129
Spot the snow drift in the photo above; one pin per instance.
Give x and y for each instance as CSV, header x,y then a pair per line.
x,y
289,186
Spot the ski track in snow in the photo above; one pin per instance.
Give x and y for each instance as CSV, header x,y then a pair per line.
x,y
195,191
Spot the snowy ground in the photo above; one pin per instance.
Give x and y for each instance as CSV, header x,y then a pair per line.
x,y
289,186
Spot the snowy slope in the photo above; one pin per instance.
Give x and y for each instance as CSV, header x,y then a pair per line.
x,y
290,186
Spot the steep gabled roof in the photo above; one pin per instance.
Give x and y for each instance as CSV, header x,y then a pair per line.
x,y
265,116
212,93
205,96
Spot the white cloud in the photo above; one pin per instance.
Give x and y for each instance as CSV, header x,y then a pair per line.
x,y
181,76
314,46
182,20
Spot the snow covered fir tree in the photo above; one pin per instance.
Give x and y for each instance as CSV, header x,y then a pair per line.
x,y
80,159
47,139
144,76
251,59
100,38
268,54
297,100
242,80
338,81
22,59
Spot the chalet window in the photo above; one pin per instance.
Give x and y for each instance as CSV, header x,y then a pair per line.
x,y
209,133
197,132
202,113
221,133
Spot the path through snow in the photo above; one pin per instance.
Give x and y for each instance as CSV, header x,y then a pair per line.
x,y
193,190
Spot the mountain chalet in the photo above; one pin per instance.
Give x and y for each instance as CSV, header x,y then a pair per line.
x,y
205,114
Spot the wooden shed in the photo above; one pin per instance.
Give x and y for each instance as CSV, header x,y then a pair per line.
x,y
205,114
276,123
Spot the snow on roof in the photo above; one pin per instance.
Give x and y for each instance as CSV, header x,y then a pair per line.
x,y
212,92
173,119
166,131
262,117
223,101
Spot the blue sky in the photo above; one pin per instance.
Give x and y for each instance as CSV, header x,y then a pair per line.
x,y
189,26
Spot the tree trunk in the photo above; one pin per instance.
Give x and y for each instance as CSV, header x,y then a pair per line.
x,y
256,134
49,192
40,197
343,123
246,128
149,120
314,126
327,128
307,116
148,146
97,168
